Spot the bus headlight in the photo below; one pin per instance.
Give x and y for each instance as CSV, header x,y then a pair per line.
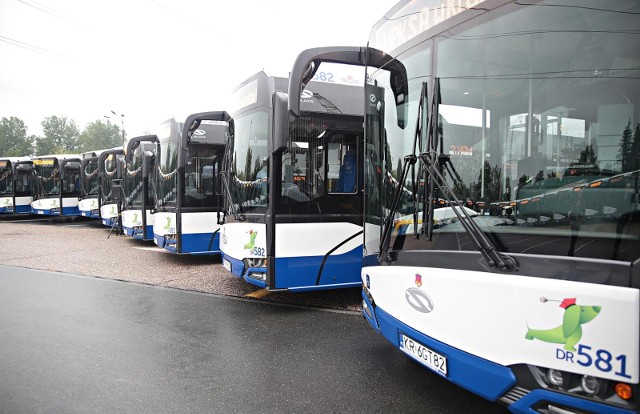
x,y
254,262
589,384
555,377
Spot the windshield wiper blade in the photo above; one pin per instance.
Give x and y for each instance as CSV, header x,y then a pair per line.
x,y
432,161
409,161
493,257
234,209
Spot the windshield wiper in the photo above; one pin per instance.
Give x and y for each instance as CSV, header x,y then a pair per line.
x,y
409,161
432,162
234,209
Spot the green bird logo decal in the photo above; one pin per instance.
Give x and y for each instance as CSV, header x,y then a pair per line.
x,y
113,210
167,226
135,217
570,332
6,202
252,240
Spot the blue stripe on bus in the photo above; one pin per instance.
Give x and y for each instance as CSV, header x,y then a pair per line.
x,y
23,209
300,273
237,267
108,222
478,375
159,240
70,211
66,211
196,244
148,233
199,243
567,402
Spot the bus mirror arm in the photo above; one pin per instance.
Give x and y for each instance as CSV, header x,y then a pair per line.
x,y
308,62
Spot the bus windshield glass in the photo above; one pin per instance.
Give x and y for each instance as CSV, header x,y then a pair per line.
x,y
90,177
111,164
321,159
48,174
538,139
202,166
249,162
167,173
133,182
6,178
71,181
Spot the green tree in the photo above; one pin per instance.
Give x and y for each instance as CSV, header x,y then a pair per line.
x,y
60,136
13,138
99,135
588,155
247,166
635,149
625,152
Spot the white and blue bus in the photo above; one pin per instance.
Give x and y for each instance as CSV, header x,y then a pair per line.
x,y
522,119
188,200
294,196
89,185
16,185
110,176
139,195
57,190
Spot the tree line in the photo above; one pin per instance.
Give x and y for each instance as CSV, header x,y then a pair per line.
x,y
61,136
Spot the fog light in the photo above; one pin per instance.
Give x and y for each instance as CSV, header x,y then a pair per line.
x,y
589,384
366,309
624,391
555,378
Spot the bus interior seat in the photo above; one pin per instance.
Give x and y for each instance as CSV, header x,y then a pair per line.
x,y
347,175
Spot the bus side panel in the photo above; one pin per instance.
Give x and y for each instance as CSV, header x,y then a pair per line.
x,y
306,251
317,272
507,319
200,233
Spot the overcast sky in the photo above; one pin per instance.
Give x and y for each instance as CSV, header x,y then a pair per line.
x,y
156,59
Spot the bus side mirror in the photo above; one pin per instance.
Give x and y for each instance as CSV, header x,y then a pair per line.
x,y
280,133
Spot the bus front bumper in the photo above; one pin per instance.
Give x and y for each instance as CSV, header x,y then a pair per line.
x,y
489,380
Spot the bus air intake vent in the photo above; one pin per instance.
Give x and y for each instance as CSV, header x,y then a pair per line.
x,y
513,395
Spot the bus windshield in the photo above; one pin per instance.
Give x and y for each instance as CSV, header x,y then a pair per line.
x,y
538,138
90,177
202,166
6,178
48,174
133,181
249,162
110,171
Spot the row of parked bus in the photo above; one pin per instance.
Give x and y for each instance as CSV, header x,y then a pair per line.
x,y
481,185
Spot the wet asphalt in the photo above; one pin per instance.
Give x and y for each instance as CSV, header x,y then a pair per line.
x,y
71,344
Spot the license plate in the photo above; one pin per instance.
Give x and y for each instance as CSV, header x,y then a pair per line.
x,y
424,355
226,264
40,212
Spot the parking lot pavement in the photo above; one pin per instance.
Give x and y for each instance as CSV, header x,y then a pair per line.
x,y
86,247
